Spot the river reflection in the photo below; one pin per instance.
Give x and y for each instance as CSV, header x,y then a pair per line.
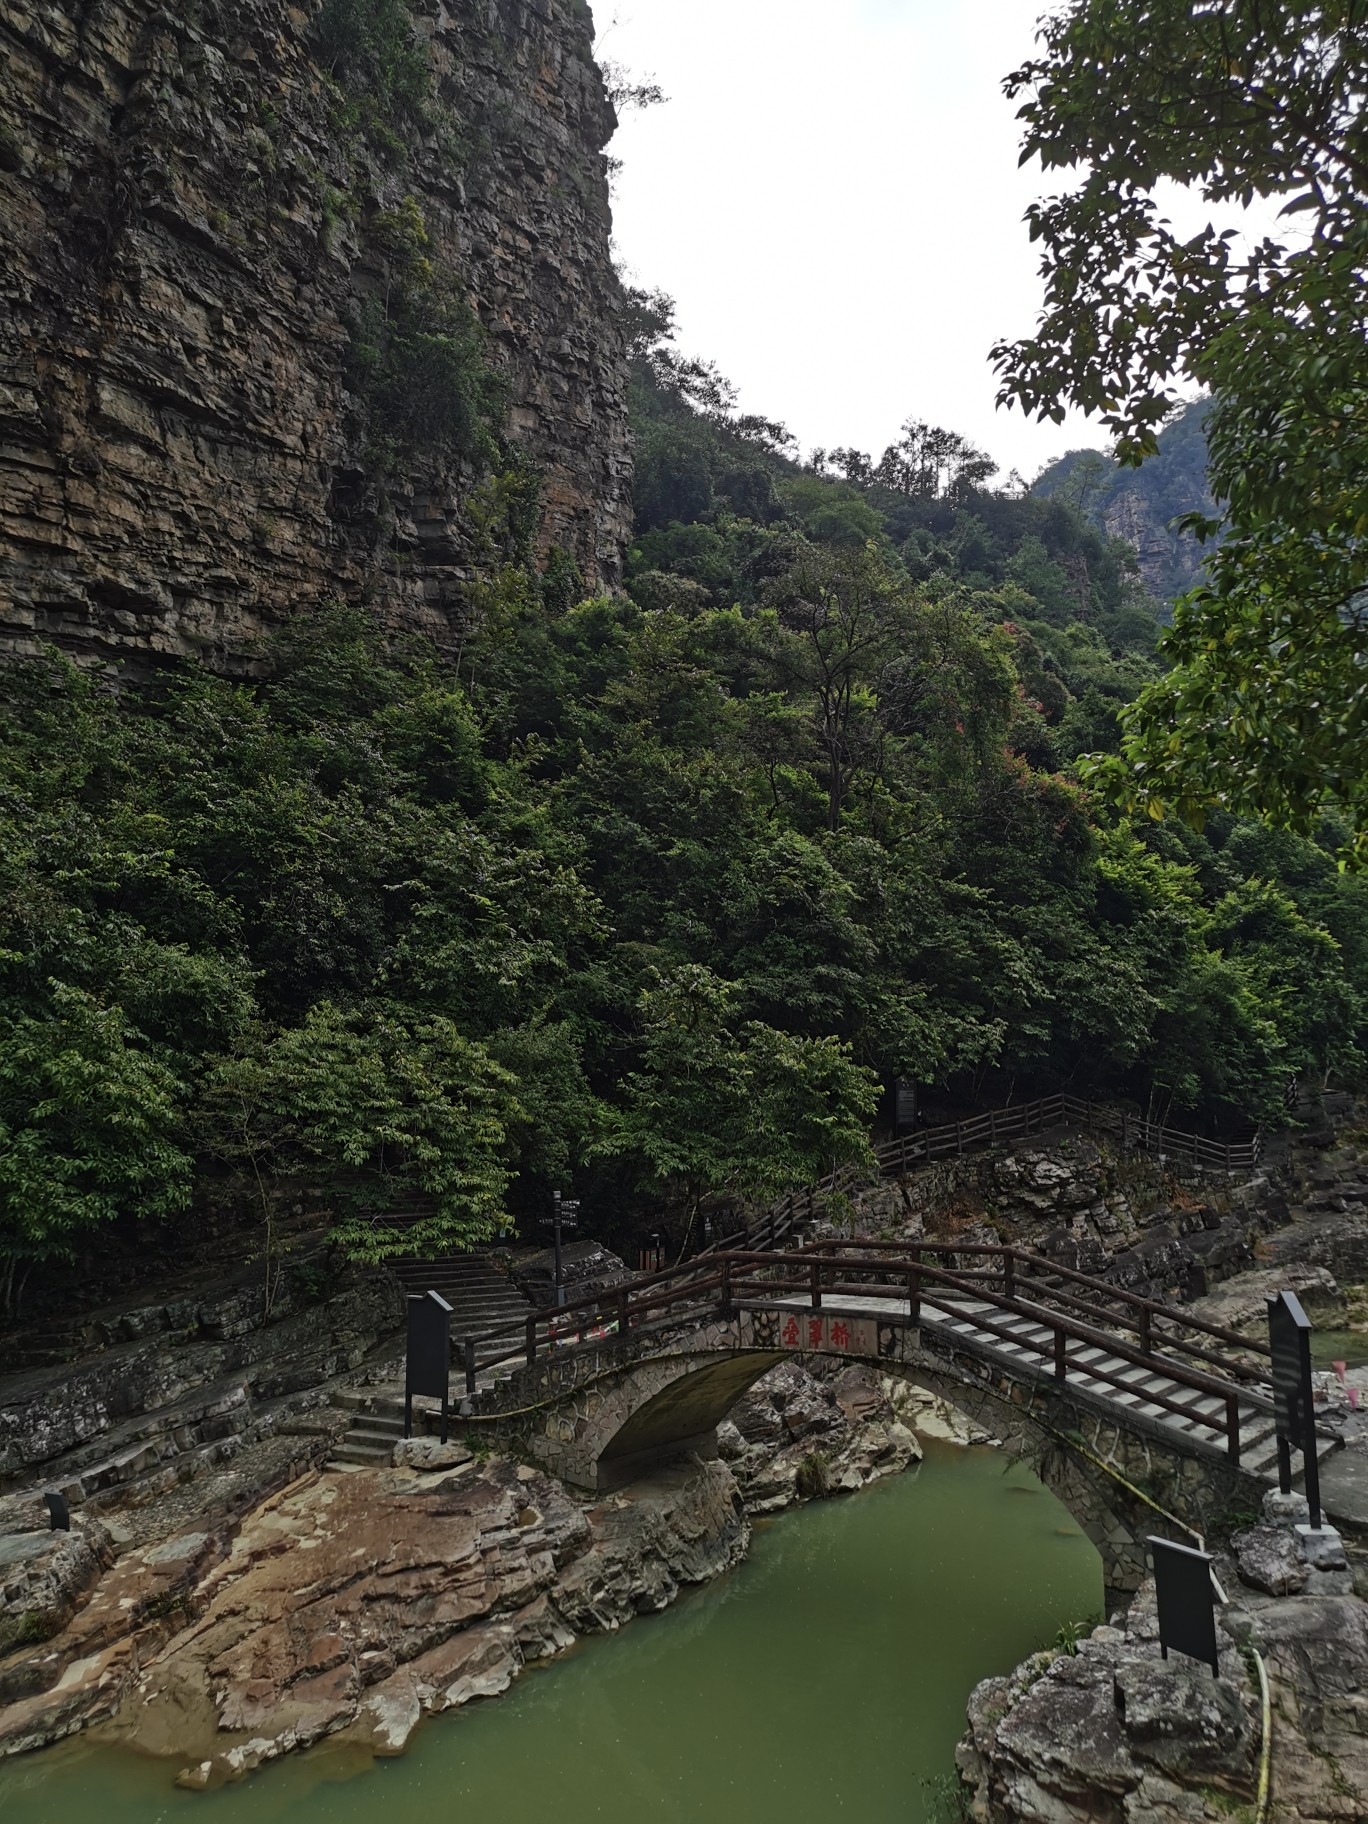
x,y
826,1676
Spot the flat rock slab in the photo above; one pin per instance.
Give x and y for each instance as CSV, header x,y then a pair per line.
x,y
1344,1485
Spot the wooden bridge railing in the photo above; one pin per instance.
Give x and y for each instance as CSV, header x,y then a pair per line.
x,y
1075,1311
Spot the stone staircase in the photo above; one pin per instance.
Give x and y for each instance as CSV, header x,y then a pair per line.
x,y
482,1298
377,1424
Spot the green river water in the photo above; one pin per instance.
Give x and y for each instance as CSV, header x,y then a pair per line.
x,y
826,1677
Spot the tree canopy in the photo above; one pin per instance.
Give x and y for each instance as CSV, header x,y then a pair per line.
x,y
654,896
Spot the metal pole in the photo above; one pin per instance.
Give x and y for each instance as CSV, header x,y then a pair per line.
x,y
1311,1469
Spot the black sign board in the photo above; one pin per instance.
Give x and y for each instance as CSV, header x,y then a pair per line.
x,y
1186,1599
58,1513
1289,1336
427,1368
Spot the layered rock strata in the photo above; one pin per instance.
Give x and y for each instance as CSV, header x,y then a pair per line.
x,y
166,1390
194,215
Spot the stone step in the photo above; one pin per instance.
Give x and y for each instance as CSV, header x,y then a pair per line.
x,y
489,1310
377,1433
454,1272
370,1456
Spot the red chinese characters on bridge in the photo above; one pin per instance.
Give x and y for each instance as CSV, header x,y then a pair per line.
x,y
815,1332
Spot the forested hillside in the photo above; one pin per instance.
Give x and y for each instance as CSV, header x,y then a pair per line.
x,y
649,895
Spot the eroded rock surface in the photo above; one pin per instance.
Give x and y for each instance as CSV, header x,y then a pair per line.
x,y
361,1601
1142,1222
817,1428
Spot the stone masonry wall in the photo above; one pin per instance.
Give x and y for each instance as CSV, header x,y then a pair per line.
x,y
187,220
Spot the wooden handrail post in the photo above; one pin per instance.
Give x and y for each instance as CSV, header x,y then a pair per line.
x,y
1061,1358
726,1289
1233,1427
1009,1274
816,1285
913,1296
531,1341
624,1298
1146,1342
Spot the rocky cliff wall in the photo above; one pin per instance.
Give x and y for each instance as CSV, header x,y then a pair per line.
x,y
194,216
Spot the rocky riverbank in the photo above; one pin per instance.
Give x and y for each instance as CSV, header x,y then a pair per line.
x,y
223,1599
353,1602
1108,1732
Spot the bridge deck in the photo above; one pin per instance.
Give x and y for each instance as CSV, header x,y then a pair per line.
x,y
1148,1365
1090,1370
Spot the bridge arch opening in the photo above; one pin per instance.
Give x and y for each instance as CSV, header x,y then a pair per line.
x,y
682,1417
663,1408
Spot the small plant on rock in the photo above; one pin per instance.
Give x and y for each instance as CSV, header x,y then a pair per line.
x,y
811,1479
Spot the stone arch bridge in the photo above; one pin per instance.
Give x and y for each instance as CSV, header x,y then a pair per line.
x,y
1141,1418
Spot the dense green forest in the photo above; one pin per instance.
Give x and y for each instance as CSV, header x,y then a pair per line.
x,y
650,895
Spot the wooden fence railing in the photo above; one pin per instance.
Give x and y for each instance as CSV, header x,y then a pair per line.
x,y
992,1129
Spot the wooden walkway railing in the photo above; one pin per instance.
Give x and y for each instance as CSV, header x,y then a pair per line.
x,y
993,1129
1077,1312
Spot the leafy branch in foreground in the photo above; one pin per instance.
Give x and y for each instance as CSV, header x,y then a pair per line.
x,y
1264,708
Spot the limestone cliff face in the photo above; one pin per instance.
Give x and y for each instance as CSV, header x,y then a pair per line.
x,y
187,228
1170,561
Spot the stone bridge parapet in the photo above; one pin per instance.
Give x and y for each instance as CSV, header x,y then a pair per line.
x,y
603,1413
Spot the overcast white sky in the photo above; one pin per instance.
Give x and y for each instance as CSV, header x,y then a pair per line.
x,y
831,195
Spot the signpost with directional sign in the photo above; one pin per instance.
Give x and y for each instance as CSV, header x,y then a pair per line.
x,y
564,1215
